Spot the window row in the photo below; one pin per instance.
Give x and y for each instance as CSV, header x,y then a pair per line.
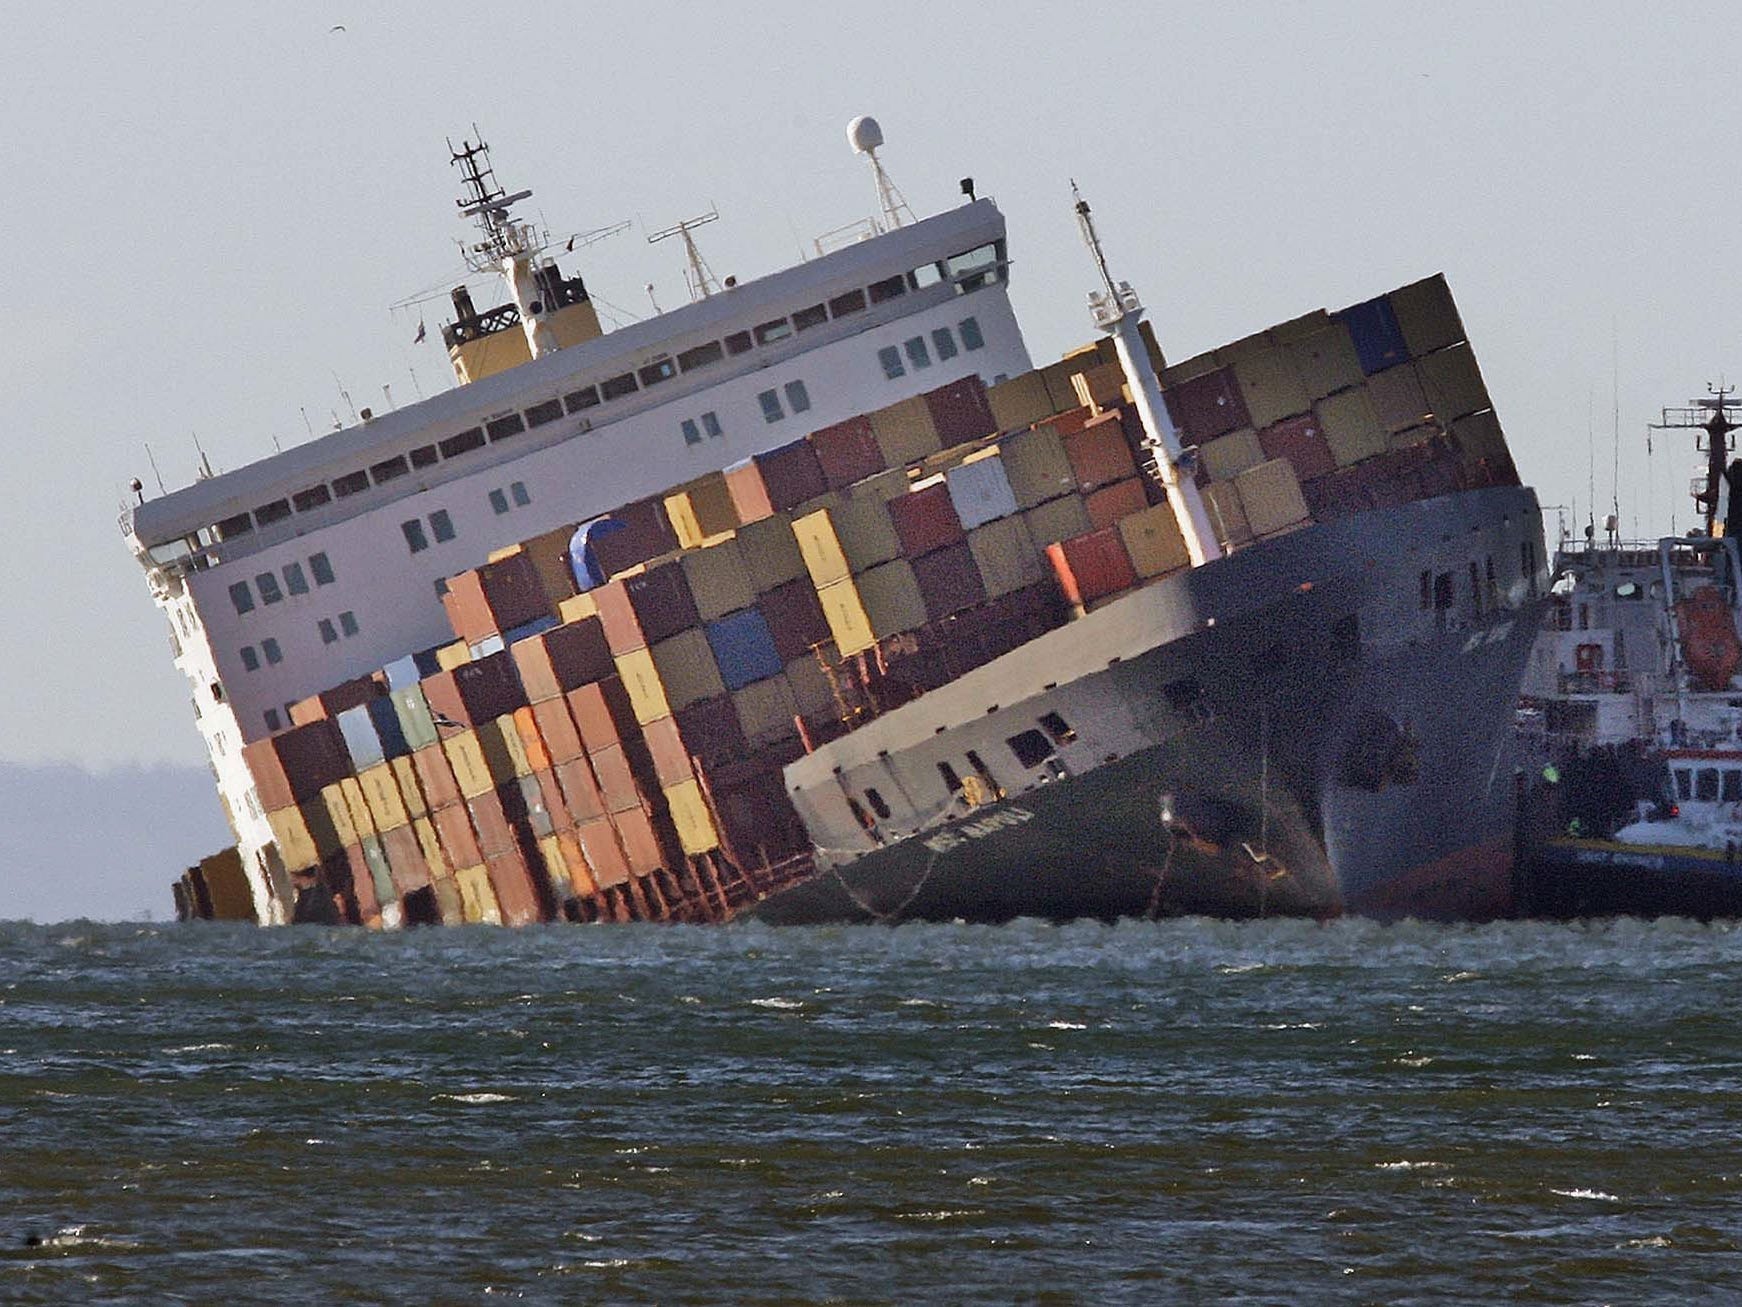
x,y
295,583
918,353
268,650
515,496
441,527
695,428
798,400
347,627
968,271
1031,747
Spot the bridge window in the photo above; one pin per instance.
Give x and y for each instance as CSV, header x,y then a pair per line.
x,y
425,456
466,441
276,511
692,434
1706,784
768,333
619,386
250,659
887,289
585,397
739,342
388,469
944,343
971,337
241,524
1732,786
267,584
503,427
814,316
700,356
917,354
1058,728
441,526
242,597
311,499
1030,747
273,654
890,358
771,410
657,371
951,780
294,581
852,302
350,484
415,539
321,569
797,397
539,414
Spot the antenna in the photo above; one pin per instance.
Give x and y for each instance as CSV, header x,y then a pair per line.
x,y
1711,415
1086,225
656,309
152,459
206,473
866,138
699,277
488,203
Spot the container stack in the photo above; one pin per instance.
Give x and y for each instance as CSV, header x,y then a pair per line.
x,y
604,738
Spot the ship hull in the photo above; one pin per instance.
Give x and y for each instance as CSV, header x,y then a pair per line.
x,y
1342,750
1572,878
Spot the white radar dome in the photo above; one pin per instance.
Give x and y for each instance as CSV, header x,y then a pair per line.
x,y
864,135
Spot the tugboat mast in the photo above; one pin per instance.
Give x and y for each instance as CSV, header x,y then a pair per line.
x,y
1713,416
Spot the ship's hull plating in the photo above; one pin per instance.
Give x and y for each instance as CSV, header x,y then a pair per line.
x,y
1571,878
1345,749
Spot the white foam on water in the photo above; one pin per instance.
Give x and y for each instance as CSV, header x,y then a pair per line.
x,y
784,1004
1066,1025
200,1048
482,1097
1406,1165
1590,1195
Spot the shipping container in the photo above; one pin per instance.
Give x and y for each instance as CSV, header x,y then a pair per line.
x,y
643,608
402,672
476,692
478,904
891,597
296,846
1271,496
1351,427
491,823
959,413
435,773
499,743
690,817
1326,361
1019,402
450,656
641,681
1111,503
1036,466
1398,399
466,758
429,843
381,795
531,740
459,840
845,613
562,659
405,861
580,790
496,597
294,765
1270,385
575,858
1226,457
640,844
556,866
794,618
1099,387
925,520
549,552
603,713
1153,541
1453,383
1301,441
557,729
770,553
615,778
1092,566
744,649
1006,556
412,711
332,702
1208,406
847,452
1426,315
1058,519
380,875
668,752
711,733
765,710
948,581
686,669
410,791
1378,339
603,852
791,475
719,582
980,491
905,432
819,544
516,893
750,501
644,532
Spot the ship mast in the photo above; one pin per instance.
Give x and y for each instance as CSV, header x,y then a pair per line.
x,y
1117,310
1713,416
507,247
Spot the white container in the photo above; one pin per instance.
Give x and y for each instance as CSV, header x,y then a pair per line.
x,y
981,492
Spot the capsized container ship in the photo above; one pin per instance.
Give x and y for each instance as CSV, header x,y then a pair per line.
x,y
814,600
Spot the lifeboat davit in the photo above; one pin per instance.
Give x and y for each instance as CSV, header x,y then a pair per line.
x,y
1710,646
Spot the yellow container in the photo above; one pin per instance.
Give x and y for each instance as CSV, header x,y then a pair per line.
x,y
339,814
477,896
641,680
577,608
711,502
689,813
1098,388
556,865
1152,538
296,847
466,757
429,843
361,818
1351,429
1270,493
1226,457
718,579
381,794
410,790
450,656
504,755
1006,555
227,885
820,547
448,905
846,616
770,552
1020,402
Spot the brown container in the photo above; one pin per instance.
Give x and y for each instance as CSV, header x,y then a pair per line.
x,y
719,582
1058,519
791,475
362,886
330,703
1271,497
1302,443
1326,361
580,790
640,844
711,503
499,743
575,859
603,852
1037,466
490,821
847,452
949,581
1110,503
959,412
516,893
1019,402
496,597
549,552
1006,556
711,732
616,780
603,713
1208,406
1453,383
1153,541
562,659
904,432
1099,454
646,534
770,553
295,765
1397,397
556,728
925,520
453,825
757,822
1060,378
863,527
1226,457
436,775
670,757
1426,315
479,691
405,860
1351,427
645,607
795,618
1100,387
1092,566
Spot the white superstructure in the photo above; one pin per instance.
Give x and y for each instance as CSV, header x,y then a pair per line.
x,y
322,563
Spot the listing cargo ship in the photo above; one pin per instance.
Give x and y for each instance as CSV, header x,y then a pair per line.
x,y
815,600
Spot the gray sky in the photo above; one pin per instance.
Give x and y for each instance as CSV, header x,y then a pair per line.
x,y
210,208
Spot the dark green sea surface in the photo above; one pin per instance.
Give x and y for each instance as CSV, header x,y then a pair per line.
x,y
1189,1111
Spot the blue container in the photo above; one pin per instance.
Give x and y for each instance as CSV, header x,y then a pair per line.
x,y
428,664
525,631
490,644
358,728
583,563
1379,342
387,728
744,649
402,672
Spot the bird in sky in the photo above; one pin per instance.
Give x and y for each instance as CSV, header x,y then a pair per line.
x,y
336,27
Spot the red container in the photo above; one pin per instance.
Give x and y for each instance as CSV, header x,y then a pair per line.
x,y
330,703
1339,495
563,659
926,520
580,790
362,883
960,411
1100,453
1092,566
557,729
436,775
646,534
1121,499
757,821
603,714
615,777
791,475
496,597
295,765
1302,442
711,732
640,610
847,452
667,752
949,581
640,844
551,795
516,893
459,841
1208,406
749,495
476,692
795,618
603,851
405,861
491,823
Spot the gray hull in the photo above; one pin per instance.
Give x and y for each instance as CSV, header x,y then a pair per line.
x,y
1317,724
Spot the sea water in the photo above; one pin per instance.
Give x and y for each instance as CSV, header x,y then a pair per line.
x,y
1182,1111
